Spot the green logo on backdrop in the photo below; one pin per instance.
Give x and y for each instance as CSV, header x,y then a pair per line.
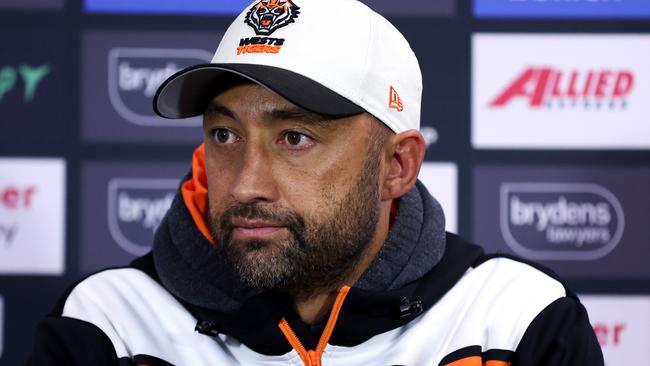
x,y
30,77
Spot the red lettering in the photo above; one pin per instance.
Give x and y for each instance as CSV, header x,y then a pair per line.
x,y
618,329
540,84
13,197
586,90
539,80
557,92
10,197
623,84
601,331
609,334
27,196
601,85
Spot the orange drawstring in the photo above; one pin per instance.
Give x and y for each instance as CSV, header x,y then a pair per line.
x,y
313,357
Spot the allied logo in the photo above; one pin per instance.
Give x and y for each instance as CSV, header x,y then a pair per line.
x,y
136,206
560,221
265,17
553,87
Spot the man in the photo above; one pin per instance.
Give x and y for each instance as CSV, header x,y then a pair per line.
x,y
301,235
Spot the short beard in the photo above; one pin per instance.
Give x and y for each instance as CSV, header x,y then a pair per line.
x,y
320,253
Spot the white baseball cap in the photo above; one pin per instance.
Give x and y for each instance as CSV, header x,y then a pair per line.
x,y
334,57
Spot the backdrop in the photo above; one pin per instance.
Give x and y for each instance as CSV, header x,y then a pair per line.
x,y
536,115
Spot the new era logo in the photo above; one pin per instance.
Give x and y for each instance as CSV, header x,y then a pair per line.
x,y
394,101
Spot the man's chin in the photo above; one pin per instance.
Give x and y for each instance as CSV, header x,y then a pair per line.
x,y
260,263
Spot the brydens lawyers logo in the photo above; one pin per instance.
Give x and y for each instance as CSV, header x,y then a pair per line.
x,y
265,17
560,221
134,75
136,207
568,88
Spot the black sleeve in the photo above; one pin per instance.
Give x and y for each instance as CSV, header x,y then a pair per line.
x,y
70,342
560,335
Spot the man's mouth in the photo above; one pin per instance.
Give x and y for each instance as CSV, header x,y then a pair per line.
x,y
254,229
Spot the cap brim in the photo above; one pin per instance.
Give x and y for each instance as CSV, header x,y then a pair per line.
x,y
187,92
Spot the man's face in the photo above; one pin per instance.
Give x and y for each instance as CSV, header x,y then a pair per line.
x,y
293,196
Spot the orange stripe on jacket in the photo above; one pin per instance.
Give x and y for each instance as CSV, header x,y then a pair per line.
x,y
477,361
467,361
195,194
496,363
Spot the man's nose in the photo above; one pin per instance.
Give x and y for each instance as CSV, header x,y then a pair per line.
x,y
255,180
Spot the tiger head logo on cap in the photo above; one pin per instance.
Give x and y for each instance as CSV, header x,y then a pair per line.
x,y
268,15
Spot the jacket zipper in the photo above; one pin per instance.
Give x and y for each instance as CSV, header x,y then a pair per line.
x,y
314,357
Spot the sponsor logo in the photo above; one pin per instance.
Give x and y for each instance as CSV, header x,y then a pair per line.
x,y
441,180
560,221
136,208
394,101
620,323
265,17
554,87
31,216
561,91
134,75
30,77
32,89
563,8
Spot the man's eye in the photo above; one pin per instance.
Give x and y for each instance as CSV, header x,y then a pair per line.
x,y
297,140
223,136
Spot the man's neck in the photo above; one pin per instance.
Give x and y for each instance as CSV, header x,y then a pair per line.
x,y
314,306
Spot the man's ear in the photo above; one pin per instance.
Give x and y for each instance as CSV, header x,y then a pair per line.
x,y
405,153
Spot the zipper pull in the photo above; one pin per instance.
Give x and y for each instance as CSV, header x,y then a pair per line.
x,y
409,308
207,327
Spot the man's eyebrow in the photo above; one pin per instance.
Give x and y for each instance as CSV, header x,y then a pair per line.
x,y
216,108
300,115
